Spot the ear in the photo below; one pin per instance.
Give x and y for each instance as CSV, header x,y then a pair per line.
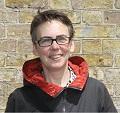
x,y
72,46
35,50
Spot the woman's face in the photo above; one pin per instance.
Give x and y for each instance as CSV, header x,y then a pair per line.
x,y
54,56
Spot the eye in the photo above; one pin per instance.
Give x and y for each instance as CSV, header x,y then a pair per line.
x,y
62,39
44,41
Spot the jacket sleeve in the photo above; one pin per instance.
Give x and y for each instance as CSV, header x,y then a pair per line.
x,y
108,105
10,107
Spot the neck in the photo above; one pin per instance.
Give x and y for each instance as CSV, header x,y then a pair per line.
x,y
59,77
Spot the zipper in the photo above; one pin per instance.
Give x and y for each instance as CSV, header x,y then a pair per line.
x,y
64,100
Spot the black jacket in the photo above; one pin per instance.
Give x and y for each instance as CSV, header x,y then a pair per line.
x,y
93,97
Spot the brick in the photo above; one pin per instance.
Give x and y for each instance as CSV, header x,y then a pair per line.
x,y
92,17
116,101
17,3
117,60
3,90
7,45
18,31
117,90
91,46
112,76
112,17
2,31
2,16
24,46
28,56
26,3
14,60
60,4
7,74
104,4
2,102
10,15
26,16
6,16
1,3
97,73
77,46
77,4
2,60
118,31
11,86
99,60
19,76
42,4
75,16
110,88
98,31
111,46
117,4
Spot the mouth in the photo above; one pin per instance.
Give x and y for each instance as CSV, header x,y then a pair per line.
x,y
56,57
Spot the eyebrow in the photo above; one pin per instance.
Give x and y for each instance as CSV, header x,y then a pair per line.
x,y
52,37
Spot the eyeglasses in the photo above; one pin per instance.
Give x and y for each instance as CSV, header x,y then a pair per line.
x,y
47,40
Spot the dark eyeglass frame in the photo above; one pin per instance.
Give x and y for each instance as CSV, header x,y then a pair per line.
x,y
56,39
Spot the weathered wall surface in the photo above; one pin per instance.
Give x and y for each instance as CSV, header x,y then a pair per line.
x,y
97,39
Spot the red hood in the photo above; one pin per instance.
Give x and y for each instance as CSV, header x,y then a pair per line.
x,y
31,73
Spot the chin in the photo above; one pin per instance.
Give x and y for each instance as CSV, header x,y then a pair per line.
x,y
57,65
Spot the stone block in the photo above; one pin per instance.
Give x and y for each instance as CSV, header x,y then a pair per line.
x,y
25,46
7,74
2,60
112,17
111,46
112,76
97,73
18,31
26,16
99,60
92,17
77,46
116,101
117,90
11,86
10,14
2,16
15,60
60,4
117,4
2,31
117,61
2,3
7,45
110,88
90,4
3,99
77,4
75,16
94,31
26,3
92,46
118,31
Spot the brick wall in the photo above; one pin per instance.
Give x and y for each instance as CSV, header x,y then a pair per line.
x,y
97,39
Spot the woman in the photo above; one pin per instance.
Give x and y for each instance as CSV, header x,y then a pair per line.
x,y
56,82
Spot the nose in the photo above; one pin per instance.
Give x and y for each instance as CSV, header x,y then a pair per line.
x,y
54,45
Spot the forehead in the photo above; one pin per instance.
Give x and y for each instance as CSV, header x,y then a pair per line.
x,y
52,28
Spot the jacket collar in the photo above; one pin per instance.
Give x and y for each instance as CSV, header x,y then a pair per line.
x,y
32,75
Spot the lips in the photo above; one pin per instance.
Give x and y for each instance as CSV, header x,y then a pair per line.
x,y
56,57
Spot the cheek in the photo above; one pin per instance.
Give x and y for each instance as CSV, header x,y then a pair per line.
x,y
43,52
66,49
